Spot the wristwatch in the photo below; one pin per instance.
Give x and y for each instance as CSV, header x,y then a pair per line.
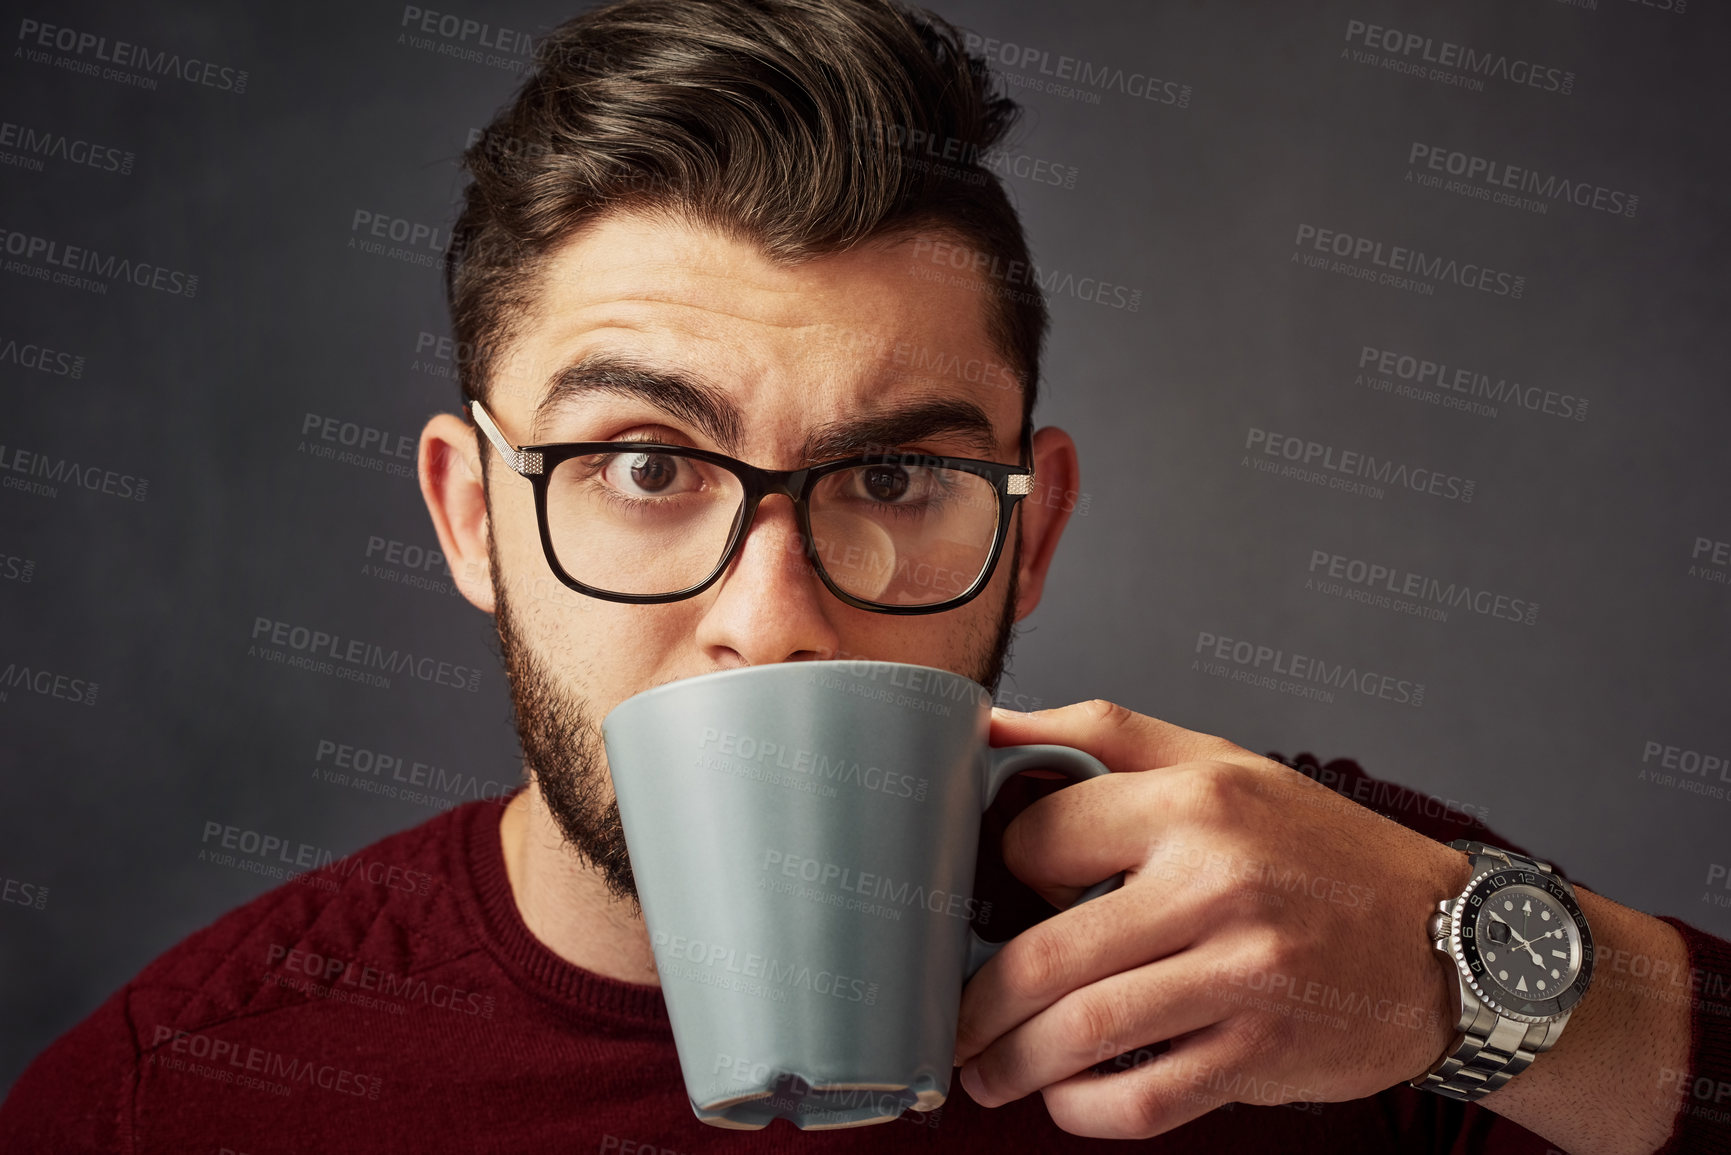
x,y
1519,949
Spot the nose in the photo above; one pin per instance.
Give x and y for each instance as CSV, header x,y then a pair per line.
x,y
770,605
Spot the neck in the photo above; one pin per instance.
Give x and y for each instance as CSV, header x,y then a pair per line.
x,y
564,902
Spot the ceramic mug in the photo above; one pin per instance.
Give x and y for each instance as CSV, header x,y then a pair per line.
x,y
803,840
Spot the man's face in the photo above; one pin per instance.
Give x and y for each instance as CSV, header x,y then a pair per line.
x,y
785,359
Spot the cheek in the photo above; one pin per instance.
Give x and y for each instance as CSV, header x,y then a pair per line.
x,y
949,641
607,651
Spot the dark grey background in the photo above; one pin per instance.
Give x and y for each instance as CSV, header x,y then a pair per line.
x,y
1195,206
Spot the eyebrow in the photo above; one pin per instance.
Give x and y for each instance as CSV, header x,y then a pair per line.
x,y
687,398
894,428
710,410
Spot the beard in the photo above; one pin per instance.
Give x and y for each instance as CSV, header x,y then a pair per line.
x,y
565,756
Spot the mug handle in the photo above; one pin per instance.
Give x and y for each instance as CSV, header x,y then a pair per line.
x,y
1008,761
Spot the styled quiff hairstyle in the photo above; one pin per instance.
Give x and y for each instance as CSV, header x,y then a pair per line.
x,y
803,126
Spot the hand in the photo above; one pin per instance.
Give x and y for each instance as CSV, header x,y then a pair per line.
x,y
1238,935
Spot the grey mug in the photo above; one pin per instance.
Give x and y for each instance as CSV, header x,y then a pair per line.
x,y
803,839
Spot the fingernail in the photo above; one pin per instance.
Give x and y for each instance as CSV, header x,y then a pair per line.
x,y
1006,712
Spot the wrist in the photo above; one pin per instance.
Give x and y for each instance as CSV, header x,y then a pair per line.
x,y
1609,1084
1519,955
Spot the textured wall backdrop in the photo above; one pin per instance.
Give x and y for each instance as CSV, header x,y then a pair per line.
x,y
1391,334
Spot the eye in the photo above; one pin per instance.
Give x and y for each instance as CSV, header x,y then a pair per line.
x,y
885,482
644,474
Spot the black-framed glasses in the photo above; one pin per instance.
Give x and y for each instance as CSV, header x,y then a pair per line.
x,y
646,522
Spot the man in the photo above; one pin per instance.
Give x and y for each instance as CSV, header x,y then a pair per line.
x,y
697,226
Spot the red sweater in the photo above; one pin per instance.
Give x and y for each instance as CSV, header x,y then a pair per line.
x,y
395,1002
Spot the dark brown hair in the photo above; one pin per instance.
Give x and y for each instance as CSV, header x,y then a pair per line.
x,y
803,126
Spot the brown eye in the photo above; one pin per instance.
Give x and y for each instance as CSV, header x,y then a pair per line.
x,y
653,472
885,482
647,474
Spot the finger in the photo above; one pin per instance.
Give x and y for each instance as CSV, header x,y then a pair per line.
x,y
1117,735
1196,1075
1101,1021
1082,945
1081,835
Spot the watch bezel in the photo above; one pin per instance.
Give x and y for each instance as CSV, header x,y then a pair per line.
x,y
1464,945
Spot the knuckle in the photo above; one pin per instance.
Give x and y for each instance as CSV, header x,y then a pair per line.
x,y
1038,965
1022,841
1271,951
1213,790
1094,1023
1104,713
1146,1112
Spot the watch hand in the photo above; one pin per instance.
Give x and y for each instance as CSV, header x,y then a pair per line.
x,y
1526,944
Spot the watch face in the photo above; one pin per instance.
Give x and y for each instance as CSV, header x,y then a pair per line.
x,y
1530,945
1524,943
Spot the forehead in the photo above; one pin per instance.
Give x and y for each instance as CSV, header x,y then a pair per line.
x,y
792,344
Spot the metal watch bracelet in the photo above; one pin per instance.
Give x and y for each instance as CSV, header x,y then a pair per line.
x,y
1492,1050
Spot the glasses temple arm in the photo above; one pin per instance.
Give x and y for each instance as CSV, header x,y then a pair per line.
x,y
514,457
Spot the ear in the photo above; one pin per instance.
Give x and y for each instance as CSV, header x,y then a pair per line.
x,y
450,475
1044,513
